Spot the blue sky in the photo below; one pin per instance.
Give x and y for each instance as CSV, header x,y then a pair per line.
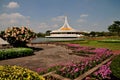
x,y
43,15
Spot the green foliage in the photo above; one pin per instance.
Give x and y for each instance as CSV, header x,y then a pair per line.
x,y
15,52
115,66
40,34
50,69
115,27
97,44
18,73
49,77
110,41
17,36
92,34
48,32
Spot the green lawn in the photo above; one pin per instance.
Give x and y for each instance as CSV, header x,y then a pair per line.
x,y
95,43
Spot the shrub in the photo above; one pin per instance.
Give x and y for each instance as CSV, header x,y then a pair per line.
x,y
110,41
15,52
18,37
18,73
115,66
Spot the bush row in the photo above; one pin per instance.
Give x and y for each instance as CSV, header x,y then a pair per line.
x,y
8,72
110,41
115,66
15,52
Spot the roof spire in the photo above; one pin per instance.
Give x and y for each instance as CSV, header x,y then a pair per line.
x,y
66,25
66,22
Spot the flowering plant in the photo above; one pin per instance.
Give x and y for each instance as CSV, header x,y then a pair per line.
x,y
18,36
103,72
73,70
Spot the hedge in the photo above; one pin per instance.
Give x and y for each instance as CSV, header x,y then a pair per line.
x,y
8,72
110,41
15,52
115,66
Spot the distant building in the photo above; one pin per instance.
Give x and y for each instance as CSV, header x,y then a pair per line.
x,y
4,44
65,32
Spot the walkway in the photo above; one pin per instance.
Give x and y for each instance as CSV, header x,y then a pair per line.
x,y
50,55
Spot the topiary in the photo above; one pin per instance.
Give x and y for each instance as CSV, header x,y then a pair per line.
x,y
18,36
8,72
115,66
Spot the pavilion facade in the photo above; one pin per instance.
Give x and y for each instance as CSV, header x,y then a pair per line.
x,y
66,31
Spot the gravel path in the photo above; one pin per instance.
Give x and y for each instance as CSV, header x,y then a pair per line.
x,y
50,55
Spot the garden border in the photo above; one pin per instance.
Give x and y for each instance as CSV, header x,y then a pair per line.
x,y
93,69
53,74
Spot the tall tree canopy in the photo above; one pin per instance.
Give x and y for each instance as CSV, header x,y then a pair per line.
x,y
115,27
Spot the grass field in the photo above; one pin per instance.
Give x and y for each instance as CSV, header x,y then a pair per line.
x,y
96,43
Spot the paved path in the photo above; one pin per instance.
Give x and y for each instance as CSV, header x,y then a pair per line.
x,y
50,55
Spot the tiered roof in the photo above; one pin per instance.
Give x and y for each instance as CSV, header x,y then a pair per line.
x,y
65,28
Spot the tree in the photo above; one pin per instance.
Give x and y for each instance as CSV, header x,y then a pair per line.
x,y
115,27
40,34
92,34
18,36
48,32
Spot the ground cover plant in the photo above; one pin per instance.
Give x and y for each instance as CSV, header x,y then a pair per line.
x,y
115,66
86,50
110,41
103,73
95,43
42,71
50,78
15,52
18,73
73,70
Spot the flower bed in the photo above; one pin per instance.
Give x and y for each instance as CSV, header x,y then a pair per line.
x,y
103,72
108,71
73,70
15,52
83,50
18,73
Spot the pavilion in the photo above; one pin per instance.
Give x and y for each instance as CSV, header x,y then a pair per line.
x,y
66,31
4,44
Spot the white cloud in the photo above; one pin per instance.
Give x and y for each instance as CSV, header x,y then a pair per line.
x,y
12,5
95,25
45,26
81,20
13,18
83,15
58,18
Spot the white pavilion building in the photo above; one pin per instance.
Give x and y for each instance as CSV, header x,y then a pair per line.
x,y
66,31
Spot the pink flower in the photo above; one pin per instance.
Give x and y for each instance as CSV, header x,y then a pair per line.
x,y
76,70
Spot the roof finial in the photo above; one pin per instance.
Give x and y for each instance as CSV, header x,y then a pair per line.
x,y
66,19
66,22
